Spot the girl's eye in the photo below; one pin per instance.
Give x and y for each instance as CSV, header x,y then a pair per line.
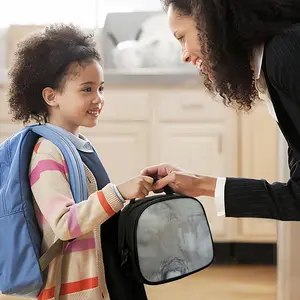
x,y
88,90
180,38
101,89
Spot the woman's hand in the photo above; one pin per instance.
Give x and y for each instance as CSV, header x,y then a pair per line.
x,y
137,187
181,181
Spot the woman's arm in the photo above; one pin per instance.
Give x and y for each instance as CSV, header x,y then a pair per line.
x,y
248,198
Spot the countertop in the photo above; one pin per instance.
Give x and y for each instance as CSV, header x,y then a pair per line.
x,y
157,77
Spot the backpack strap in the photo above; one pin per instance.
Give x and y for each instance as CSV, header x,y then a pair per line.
x,y
52,252
56,250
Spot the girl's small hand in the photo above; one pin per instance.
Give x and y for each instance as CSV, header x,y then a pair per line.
x,y
137,187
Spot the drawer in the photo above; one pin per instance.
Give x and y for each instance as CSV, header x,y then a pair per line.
x,y
120,105
126,104
188,105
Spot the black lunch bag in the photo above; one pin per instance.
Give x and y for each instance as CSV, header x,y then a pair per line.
x,y
164,237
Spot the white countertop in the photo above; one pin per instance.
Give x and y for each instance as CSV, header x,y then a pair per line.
x,y
137,77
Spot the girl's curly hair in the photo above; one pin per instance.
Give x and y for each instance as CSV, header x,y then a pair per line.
x,y
43,60
228,32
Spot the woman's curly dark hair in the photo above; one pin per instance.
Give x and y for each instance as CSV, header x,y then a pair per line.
x,y
43,60
228,32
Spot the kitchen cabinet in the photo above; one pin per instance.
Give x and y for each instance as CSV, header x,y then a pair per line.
x,y
258,152
197,134
182,126
122,136
146,125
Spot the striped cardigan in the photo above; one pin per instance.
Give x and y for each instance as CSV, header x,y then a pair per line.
x,y
82,271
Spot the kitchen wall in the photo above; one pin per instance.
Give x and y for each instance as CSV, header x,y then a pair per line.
x,y
34,11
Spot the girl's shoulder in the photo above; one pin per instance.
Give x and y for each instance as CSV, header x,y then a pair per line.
x,y
44,147
47,157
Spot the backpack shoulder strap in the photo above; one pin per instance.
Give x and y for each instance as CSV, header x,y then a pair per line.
x,y
54,251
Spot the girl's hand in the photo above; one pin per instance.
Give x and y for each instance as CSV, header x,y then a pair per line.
x,y
137,187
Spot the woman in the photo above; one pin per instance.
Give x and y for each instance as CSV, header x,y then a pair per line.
x,y
243,47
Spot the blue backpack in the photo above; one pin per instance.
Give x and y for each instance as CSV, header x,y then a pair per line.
x,y
21,263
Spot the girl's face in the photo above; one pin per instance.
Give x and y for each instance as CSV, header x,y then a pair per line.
x,y
81,100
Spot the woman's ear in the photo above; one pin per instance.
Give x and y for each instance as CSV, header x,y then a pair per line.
x,y
49,95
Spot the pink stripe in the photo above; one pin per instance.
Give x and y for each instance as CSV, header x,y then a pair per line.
x,y
45,165
80,245
74,228
65,166
40,218
56,205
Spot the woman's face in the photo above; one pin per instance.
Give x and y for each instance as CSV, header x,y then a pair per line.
x,y
185,31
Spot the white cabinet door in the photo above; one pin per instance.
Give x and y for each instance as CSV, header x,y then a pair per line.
x,y
122,147
197,148
122,135
198,133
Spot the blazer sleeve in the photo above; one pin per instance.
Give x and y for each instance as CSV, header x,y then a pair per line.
x,y
258,198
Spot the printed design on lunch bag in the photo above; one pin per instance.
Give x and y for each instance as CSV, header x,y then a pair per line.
x,y
173,239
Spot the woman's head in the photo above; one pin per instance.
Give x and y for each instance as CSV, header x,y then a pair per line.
x,y
56,74
218,37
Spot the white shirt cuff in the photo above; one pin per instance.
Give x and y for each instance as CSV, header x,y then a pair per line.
x,y
219,196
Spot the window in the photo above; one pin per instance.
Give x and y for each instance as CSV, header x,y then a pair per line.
x,y
85,13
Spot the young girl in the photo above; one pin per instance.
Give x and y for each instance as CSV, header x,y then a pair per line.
x,y
57,79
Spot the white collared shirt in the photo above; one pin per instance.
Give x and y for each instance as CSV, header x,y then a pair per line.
x,y
80,142
260,81
262,88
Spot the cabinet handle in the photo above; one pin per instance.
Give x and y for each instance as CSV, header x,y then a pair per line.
x,y
192,106
220,143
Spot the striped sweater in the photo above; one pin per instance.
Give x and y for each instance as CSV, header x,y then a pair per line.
x,y
82,269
